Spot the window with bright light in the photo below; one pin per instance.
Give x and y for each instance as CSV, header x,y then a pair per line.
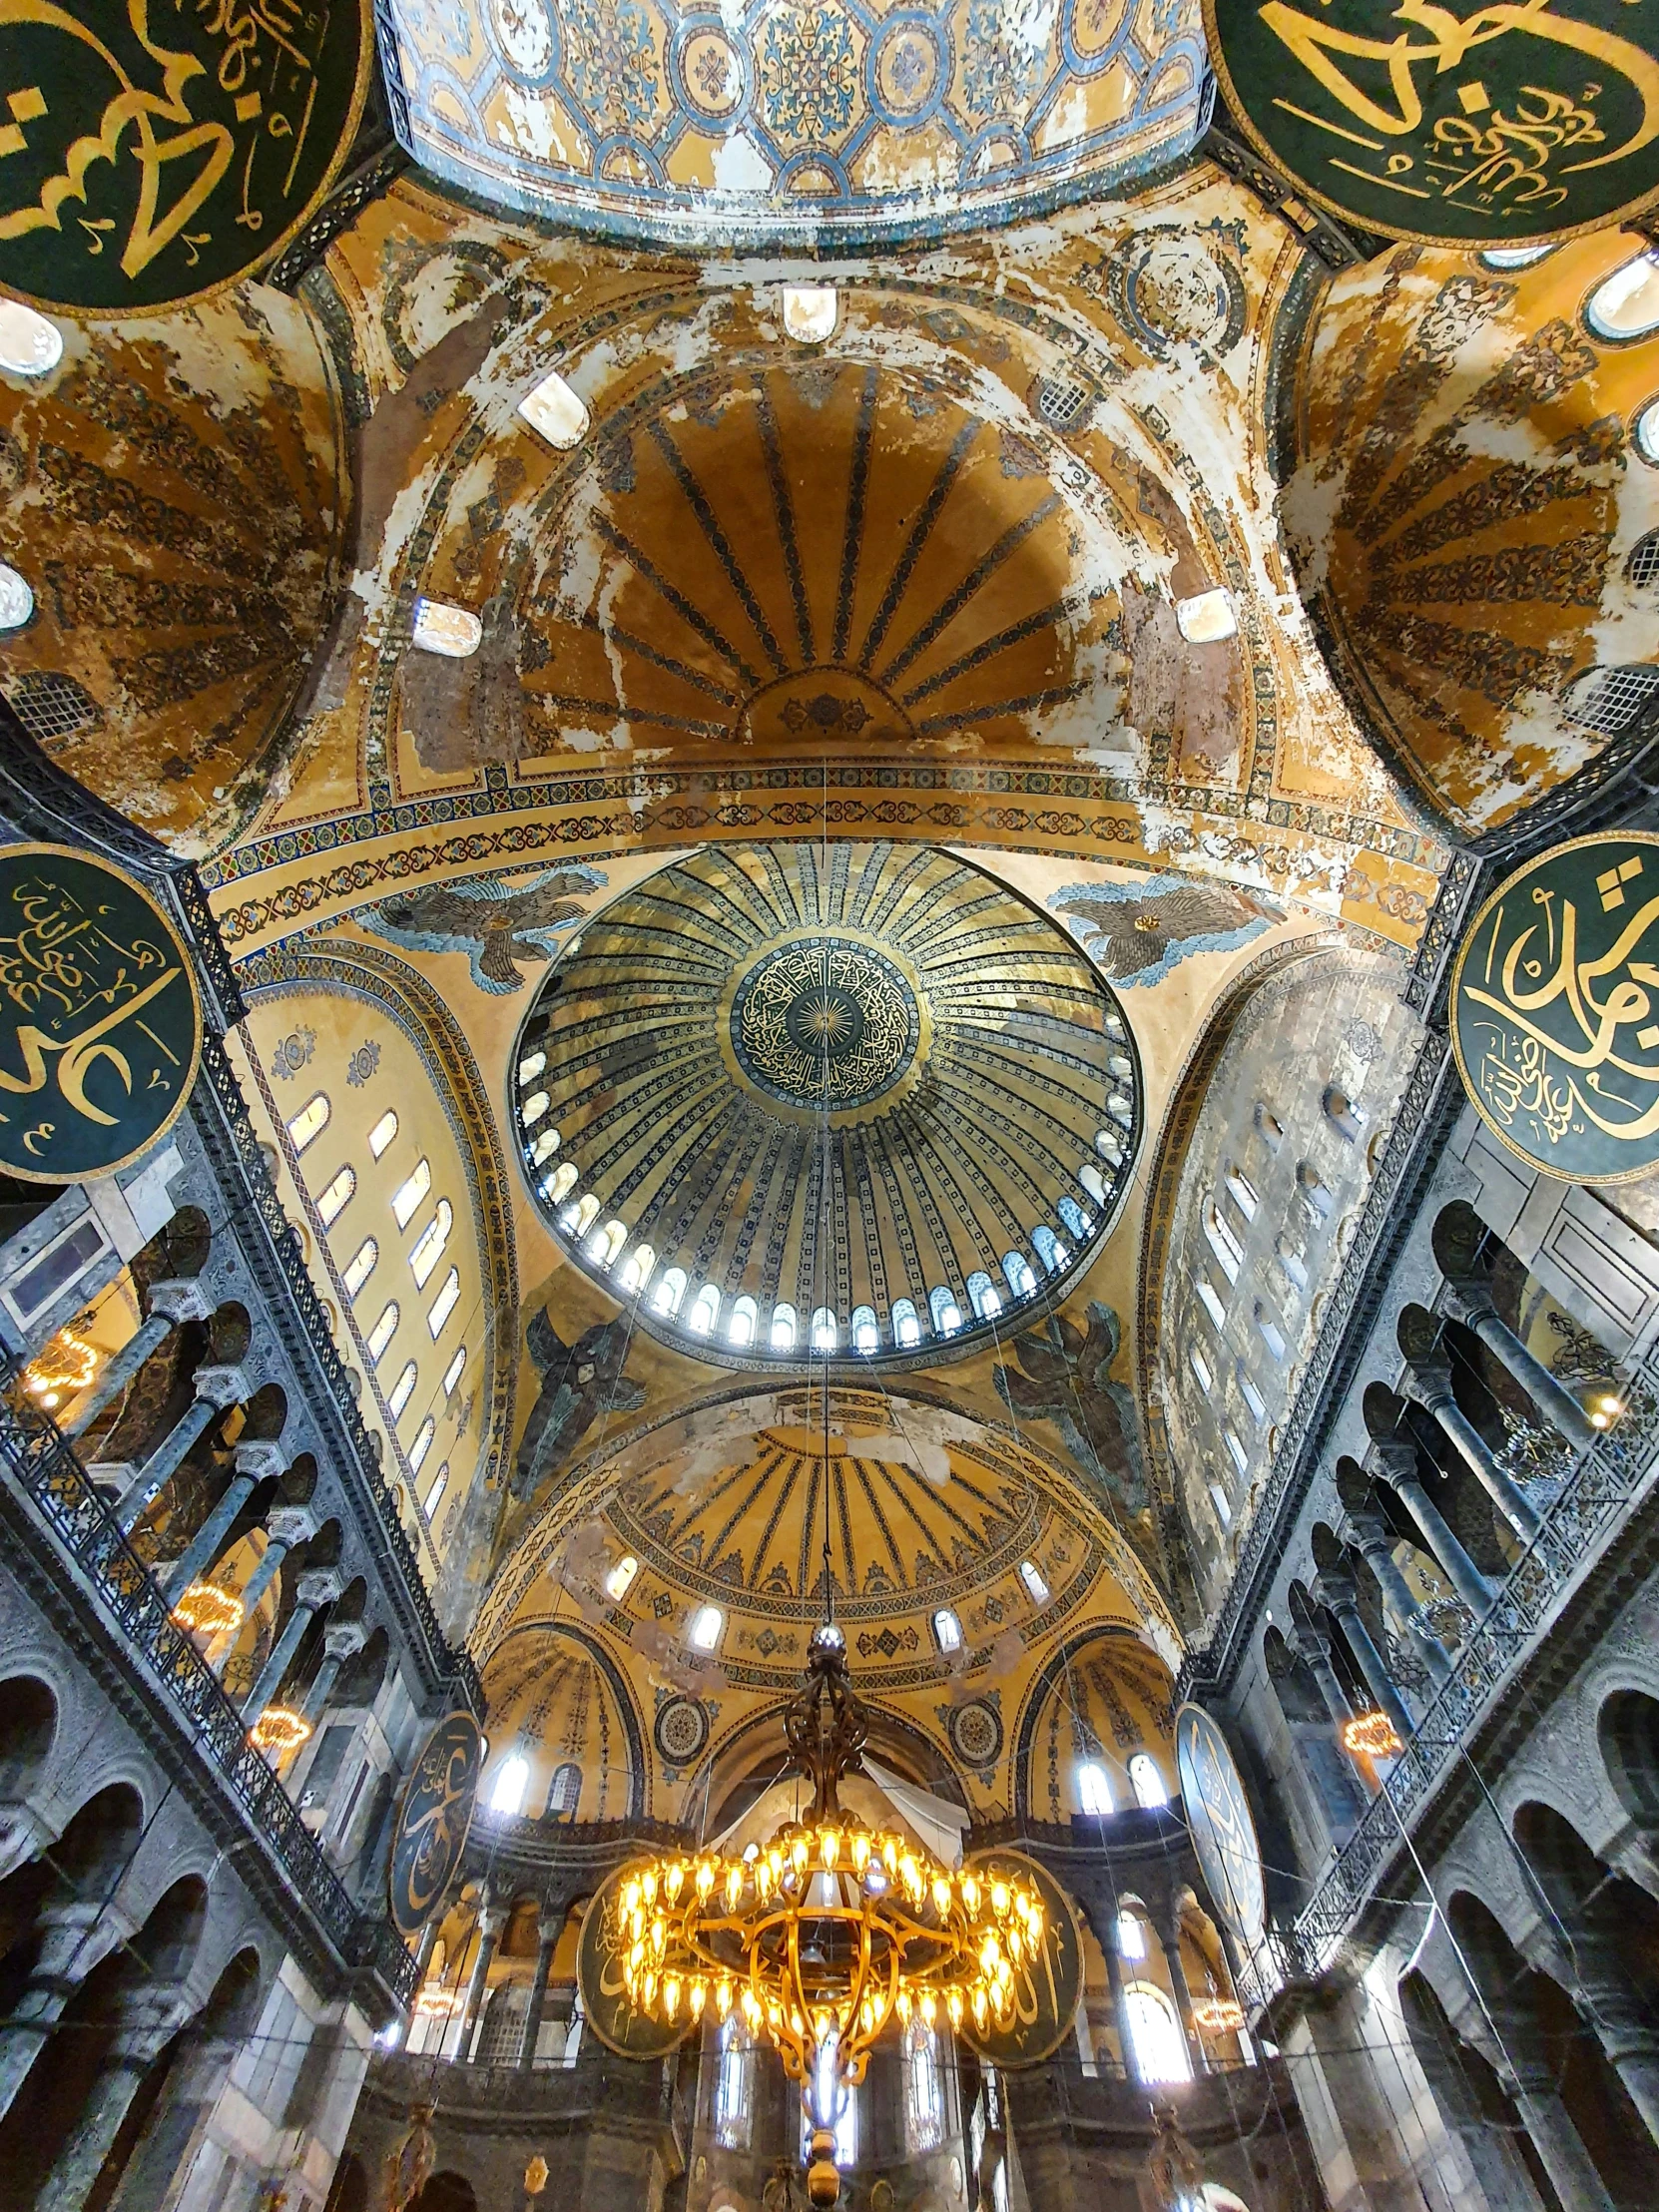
x,y
946,1314
382,1133
452,1373
1200,1366
1131,1936
636,1270
1049,1250
404,1390
434,1496
604,1245
826,1330
531,1066
704,1311
28,345
731,2099
1251,1395
411,1191
361,1266
429,1246
671,1289
847,2133
440,627
810,313
17,598
1074,1217
1094,1788
923,2088
1206,617
1223,1510
948,1631
422,1444
534,1109
740,1330
866,1336
1146,1779
382,1332
577,1220
782,1329
906,1327
335,1195
1272,1334
1017,1268
621,1577
1243,1193
560,1183
1209,1298
565,1794
984,1296
1515,257
703,1633
444,1304
1223,1240
1160,2047
556,412
1035,1587
310,1121
1625,305
507,1791
1234,1447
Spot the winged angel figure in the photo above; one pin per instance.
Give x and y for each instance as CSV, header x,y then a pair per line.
x,y
1066,1377
1137,932
579,1381
495,924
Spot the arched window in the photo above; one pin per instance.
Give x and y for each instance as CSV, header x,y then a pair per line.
x,y
1235,1450
671,1289
620,1579
907,1329
452,1373
1121,1109
1161,2052
1268,1126
948,1631
555,412
1210,1298
310,1121
732,2084
544,1147
1107,1144
983,1295
1131,1936
702,1632
429,1246
411,1191
1223,1240
512,1779
577,1220
443,628
636,1270
1094,1788
1200,1366
1048,1248
402,1389
1515,257
782,1335
1016,1268
1313,1191
1647,433
740,1330
1625,305
434,1496
866,1337
1251,1395
444,1304
606,1243
531,1066
1242,1191
1036,1589
382,1332
382,1133
1146,1779
1073,1216
560,1183
826,1330
1223,1510
422,1444
533,1109
704,1311
1642,566
1291,1262
923,2088
946,1314
1093,1182
1272,1334
335,1195
361,1266
1341,1113
1609,699
28,345
566,1792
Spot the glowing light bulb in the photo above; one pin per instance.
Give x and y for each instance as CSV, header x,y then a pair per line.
x,y
670,1995
942,1895
930,2007
733,1885
859,1852
828,1847
971,1893
698,1997
706,1875
903,2006
953,2006
1001,1898
723,1997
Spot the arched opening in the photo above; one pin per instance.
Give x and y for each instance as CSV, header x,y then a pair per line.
x,y
1627,1730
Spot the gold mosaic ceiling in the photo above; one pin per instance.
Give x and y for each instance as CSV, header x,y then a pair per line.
x,y
852,1079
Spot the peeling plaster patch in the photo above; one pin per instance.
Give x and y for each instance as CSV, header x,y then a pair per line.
x,y
739,166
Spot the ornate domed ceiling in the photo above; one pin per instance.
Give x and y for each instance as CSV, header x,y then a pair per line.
x,y
854,1096
781,124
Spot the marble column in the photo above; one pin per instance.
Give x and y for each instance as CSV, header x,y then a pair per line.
x,y
255,1462
341,1640
1572,2171
1429,1376
1168,1925
318,1588
491,1919
1399,1470
287,1529
73,1933
148,2018
1469,1300
171,1304
1604,1993
423,1959
549,1931
1374,1542
1339,1593
215,1390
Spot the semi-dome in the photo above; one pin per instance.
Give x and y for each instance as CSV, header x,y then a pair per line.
x,y
840,1099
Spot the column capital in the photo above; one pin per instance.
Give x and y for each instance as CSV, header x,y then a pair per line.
x,y
492,1921
343,1639
1370,1532
1468,1298
221,1387
180,1298
320,1586
1397,1457
260,1458
289,1525
1334,1587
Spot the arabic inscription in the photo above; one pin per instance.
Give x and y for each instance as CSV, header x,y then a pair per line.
x,y
433,1825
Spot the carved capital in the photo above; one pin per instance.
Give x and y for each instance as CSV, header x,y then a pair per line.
x,y
289,1525
320,1586
223,1386
344,1639
182,1297
259,1459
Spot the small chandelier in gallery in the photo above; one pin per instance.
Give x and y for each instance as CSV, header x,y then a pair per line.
x,y
831,1930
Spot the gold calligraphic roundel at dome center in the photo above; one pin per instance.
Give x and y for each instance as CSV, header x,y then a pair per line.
x,y
797,1099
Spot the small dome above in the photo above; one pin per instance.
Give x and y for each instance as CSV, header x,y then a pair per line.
x,y
858,1101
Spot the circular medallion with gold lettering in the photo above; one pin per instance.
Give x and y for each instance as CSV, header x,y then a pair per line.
x,y
434,1820
1472,125
1047,1987
100,1023
1555,1010
151,155
605,2004
1220,1822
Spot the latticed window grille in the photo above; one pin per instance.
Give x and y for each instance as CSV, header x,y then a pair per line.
x,y
51,705
1610,699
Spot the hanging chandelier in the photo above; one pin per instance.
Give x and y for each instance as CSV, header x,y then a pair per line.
x,y
829,1931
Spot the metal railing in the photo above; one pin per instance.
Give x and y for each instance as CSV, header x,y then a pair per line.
x,y
40,1462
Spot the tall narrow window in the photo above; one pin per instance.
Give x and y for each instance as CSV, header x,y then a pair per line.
x,y
636,1270
361,1265
825,1330
531,1066
422,1444
1210,1298
1223,1240
604,1245
732,2099
671,1289
1313,1189
431,1243
1131,1936
1272,1134
620,1579
866,1337
740,1330
1048,1248
982,1294
1159,2052
566,1793
1146,1779
335,1195
1251,1395
402,1389
923,2088
1073,1216
1235,1450
444,1304
1017,1269
452,1373
534,1108
948,1631
382,1133
1243,1193
512,1780
434,1496
411,1191
782,1329
704,1311
703,1633
946,1314
1094,1788
1035,1587
907,1329
310,1121
1272,1334
384,1332
1345,1117
1219,1501
560,1183
1200,1366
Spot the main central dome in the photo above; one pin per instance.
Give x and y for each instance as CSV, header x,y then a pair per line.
x,y
792,1099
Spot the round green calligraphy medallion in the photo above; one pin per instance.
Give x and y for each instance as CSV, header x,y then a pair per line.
x,y
1046,1988
150,155
1455,126
605,2003
100,1023
434,1820
1555,1010
1220,1822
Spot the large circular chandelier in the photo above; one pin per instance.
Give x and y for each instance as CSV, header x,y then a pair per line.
x,y
829,1931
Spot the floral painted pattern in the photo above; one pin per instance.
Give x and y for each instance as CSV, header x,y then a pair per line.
x,y
809,72
1004,58
611,56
